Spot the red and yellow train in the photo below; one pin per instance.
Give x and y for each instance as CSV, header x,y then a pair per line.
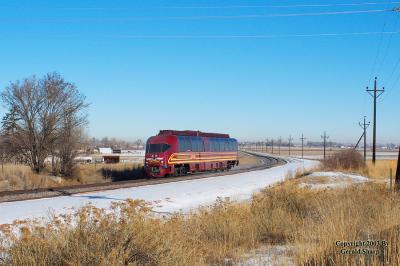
x,y
175,153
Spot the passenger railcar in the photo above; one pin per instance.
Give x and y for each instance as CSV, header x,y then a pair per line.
x,y
180,152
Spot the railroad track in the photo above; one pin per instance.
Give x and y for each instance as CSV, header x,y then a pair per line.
x,y
264,162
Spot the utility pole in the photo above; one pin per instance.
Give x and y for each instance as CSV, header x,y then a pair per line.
x,y
302,145
280,143
375,93
290,142
325,137
272,143
266,146
397,182
364,126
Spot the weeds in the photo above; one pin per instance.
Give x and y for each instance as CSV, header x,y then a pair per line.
x,y
18,177
345,160
309,220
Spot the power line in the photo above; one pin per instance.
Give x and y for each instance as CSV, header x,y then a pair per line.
x,y
381,64
260,36
393,81
223,7
280,6
377,55
250,16
374,65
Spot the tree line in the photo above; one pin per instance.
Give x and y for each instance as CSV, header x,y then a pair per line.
x,y
44,118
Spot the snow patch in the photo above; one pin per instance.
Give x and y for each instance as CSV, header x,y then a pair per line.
x,y
182,196
334,180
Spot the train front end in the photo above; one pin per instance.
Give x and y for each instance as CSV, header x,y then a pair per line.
x,y
158,150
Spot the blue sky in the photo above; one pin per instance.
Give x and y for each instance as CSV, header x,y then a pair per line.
x,y
150,65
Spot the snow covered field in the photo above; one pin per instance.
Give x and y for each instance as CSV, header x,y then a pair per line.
x,y
166,198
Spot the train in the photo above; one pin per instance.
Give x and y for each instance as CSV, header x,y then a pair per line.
x,y
177,153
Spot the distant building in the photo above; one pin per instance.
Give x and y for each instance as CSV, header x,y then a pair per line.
x,y
105,151
84,159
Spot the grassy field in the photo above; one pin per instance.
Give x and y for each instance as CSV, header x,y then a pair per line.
x,y
309,222
17,177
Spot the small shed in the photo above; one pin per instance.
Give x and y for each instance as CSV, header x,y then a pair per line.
x,y
111,158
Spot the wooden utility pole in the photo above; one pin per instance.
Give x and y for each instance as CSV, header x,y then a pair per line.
x,y
272,143
280,143
397,182
364,126
324,137
290,143
302,145
375,93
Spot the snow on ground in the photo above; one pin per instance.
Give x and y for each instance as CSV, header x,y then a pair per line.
x,y
321,180
274,255
170,197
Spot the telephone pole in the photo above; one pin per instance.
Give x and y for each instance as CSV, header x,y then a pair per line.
x,y
272,143
375,93
364,126
325,137
290,142
302,145
397,182
280,143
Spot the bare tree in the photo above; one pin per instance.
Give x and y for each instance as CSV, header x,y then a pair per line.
x,y
71,138
36,115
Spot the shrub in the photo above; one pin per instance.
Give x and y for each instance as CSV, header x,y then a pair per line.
x,y
346,160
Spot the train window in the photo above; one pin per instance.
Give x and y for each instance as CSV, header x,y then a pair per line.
x,y
158,147
196,144
181,143
221,145
235,146
188,144
201,145
207,146
184,144
165,147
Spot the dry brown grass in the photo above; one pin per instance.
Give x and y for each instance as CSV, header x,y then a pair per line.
x,y
18,177
381,169
310,220
246,159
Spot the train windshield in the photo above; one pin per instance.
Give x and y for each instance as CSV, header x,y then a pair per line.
x,y
156,148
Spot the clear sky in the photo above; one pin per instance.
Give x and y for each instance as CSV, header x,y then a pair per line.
x,y
254,69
